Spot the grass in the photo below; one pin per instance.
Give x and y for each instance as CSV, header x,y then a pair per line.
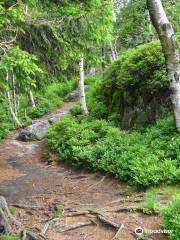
x,y
156,197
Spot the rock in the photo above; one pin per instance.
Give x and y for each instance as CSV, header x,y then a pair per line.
x,y
56,117
34,131
74,95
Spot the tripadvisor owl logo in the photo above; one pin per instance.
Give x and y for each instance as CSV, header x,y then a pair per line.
x,y
139,231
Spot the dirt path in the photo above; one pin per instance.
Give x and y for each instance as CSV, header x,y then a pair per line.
x,y
26,178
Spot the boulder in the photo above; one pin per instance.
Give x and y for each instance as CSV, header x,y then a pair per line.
x,y
34,131
56,117
74,95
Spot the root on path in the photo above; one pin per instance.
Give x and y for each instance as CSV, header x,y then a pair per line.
x,y
7,222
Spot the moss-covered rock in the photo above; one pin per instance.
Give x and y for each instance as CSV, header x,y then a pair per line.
x,y
136,86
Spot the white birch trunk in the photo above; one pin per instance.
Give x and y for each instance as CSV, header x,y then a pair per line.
x,y
113,53
171,51
33,104
82,97
11,105
14,95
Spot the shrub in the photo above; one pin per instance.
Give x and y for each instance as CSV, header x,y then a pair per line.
x,y
143,159
171,218
136,86
6,124
52,97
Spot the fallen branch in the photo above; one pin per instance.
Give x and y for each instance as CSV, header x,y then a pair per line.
x,y
77,225
96,183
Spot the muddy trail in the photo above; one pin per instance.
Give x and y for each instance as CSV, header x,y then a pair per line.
x,y
41,190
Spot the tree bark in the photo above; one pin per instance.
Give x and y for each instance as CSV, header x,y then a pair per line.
x,y
171,51
113,53
11,105
7,221
14,94
33,104
82,97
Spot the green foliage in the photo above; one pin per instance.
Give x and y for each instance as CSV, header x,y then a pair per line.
x,y
24,67
94,99
135,88
57,211
143,159
133,26
95,103
9,237
12,211
51,98
171,218
156,196
6,123
142,67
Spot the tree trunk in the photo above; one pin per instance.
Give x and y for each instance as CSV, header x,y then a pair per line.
x,y
171,51
14,94
11,105
7,221
113,53
82,97
33,104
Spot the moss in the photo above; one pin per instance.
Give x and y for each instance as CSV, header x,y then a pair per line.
x,y
136,86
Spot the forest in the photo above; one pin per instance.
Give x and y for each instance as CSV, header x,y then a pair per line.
x,y
89,119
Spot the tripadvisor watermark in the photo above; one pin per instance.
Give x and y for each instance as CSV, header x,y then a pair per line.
x,y
140,231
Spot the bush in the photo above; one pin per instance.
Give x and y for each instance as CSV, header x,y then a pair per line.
x,y
6,124
96,106
143,159
136,86
171,218
52,97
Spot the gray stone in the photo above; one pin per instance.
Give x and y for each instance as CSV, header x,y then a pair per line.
x,y
52,119
34,131
72,96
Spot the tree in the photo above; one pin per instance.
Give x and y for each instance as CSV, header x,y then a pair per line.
x,y
82,97
17,76
171,51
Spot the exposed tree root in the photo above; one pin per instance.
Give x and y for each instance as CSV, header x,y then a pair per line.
x,y
7,221
46,226
106,221
27,206
90,187
28,235
77,225
118,232
72,214
125,209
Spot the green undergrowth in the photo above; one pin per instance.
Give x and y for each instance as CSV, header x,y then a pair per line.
x,y
10,237
171,217
143,159
157,197
166,200
50,97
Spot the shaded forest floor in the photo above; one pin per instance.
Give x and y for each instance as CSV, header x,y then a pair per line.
x,y
41,190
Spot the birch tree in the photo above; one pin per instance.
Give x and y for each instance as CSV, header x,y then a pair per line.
x,y
171,51
82,97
